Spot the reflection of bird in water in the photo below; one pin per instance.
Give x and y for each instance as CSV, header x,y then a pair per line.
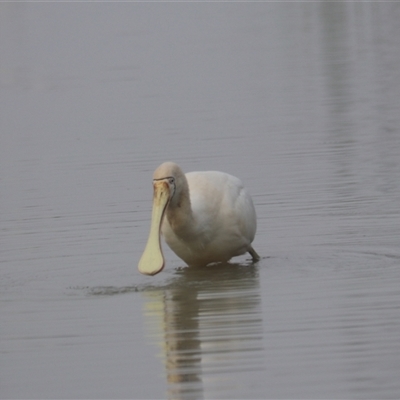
x,y
205,217
209,327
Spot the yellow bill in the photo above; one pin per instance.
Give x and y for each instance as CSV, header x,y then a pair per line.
x,y
152,260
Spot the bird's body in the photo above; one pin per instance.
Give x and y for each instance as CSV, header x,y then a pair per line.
x,y
204,217
223,221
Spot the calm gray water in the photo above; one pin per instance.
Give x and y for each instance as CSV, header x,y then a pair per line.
x,y
300,100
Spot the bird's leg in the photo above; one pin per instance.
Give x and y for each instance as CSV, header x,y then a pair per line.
x,y
254,254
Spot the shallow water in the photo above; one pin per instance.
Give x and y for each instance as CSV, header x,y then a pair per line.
x,y
299,100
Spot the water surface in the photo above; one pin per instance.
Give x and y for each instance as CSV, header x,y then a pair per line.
x,y
299,100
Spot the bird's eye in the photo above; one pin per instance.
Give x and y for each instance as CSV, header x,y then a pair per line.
x,y
171,180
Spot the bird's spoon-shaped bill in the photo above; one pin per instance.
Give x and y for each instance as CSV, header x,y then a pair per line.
x,y
152,260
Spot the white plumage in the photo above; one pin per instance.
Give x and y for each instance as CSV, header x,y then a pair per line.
x,y
204,217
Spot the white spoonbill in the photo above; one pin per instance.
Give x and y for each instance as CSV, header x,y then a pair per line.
x,y
204,217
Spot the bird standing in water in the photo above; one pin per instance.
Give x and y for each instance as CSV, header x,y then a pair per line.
x,y
205,217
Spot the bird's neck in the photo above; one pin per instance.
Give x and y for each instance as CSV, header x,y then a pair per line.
x,y
180,215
